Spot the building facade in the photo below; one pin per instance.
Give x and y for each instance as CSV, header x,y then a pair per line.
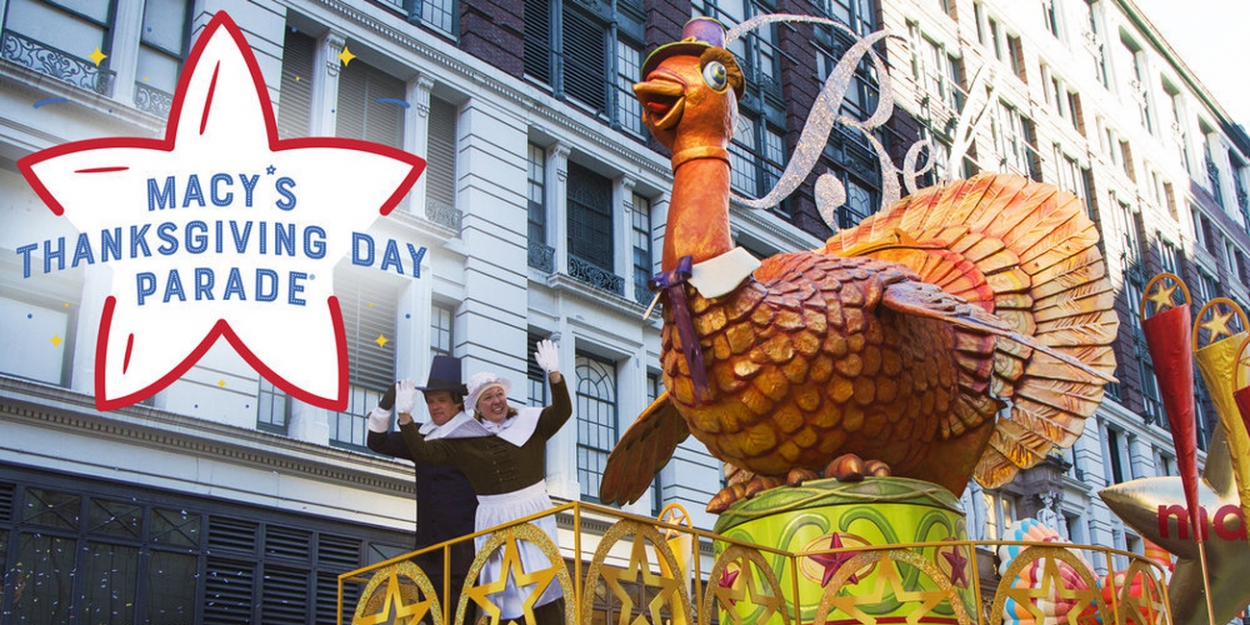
x,y
542,212
1087,95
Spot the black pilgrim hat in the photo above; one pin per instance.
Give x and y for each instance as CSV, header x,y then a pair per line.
x,y
445,376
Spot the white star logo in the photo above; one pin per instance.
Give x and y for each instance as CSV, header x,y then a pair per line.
x,y
220,229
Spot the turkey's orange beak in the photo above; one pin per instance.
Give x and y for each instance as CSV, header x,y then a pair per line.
x,y
663,99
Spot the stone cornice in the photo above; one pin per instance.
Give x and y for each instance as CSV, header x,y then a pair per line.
x,y
492,79
62,409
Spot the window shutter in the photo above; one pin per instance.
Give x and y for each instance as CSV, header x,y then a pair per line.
x,y
336,554
585,59
590,216
6,502
287,543
537,39
359,114
440,172
228,591
230,571
370,309
295,98
284,599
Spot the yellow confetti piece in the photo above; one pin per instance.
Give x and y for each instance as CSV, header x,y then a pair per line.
x,y
381,340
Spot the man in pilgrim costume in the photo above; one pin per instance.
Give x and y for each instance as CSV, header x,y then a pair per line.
x,y
506,465
446,503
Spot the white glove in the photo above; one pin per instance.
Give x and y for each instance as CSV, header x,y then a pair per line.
x,y
380,420
405,396
547,356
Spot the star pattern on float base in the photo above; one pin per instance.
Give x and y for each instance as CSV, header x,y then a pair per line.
x,y
639,567
414,612
741,585
1138,503
512,568
834,561
888,584
959,565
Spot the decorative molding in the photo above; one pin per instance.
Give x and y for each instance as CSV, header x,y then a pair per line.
x,y
333,43
62,409
424,85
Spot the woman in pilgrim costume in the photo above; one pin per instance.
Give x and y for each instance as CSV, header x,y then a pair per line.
x,y
446,503
505,463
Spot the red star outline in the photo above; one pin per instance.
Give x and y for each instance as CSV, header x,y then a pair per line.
x,y
222,327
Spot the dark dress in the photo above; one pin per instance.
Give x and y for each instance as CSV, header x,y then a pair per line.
x,y
446,508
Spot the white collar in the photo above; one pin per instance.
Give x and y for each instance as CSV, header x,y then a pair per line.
x,y
717,276
518,429
459,426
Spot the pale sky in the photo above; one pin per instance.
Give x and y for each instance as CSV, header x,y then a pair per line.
x,y
1210,36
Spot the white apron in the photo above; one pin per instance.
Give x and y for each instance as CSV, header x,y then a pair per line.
x,y
493,510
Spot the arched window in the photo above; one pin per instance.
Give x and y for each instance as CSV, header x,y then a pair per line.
x,y
596,420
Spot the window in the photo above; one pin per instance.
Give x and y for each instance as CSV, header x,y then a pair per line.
x,y
1168,254
596,412
541,255
37,35
1013,140
644,266
39,316
598,58
1075,115
1239,187
369,306
940,75
1132,57
1015,51
1000,514
102,552
1126,160
535,377
273,408
1213,170
1049,19
757,157
1178,135
655,386
1114,454
439,15
442,326
1150,391
162,48
295,99
359,114
440,172
854,13
590,233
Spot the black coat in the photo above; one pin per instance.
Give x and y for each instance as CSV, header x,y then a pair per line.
x,y
446,506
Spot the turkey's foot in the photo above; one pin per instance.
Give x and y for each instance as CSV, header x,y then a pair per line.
x,y
796,477
740,490
852,468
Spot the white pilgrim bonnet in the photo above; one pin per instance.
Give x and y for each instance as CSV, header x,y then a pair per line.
x,y
480,382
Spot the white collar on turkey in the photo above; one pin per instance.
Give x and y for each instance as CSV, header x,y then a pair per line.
x,y
717,276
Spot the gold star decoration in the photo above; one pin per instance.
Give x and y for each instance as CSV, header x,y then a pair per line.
x,y
887,578
1162,296
97,57
56,340
1052,587
1139,501
1218,325
346,56
744,586
221,383
414,612
639,565
381,340
512,567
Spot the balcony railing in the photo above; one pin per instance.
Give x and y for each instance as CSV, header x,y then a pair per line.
x,y
542,257
641,569
152,100
56,63
596,276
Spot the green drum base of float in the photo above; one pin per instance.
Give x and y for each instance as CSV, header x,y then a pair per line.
x,y
902,584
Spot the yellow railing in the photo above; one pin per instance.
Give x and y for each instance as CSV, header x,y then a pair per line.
x,y
642,568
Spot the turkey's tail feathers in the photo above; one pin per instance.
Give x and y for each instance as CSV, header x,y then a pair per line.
x,y
1027,253
643,450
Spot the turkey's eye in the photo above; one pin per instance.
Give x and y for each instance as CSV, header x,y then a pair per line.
x,y
715,75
